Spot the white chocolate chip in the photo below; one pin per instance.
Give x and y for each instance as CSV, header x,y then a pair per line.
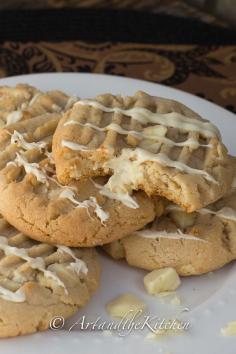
x,y
126,305
175,300
230,329
182,219
161,280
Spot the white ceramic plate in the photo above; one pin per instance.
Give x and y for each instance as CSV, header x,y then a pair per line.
x,y
210,298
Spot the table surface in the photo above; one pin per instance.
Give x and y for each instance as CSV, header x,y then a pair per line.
x,y
206,68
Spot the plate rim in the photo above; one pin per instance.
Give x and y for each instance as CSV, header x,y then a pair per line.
x,y
121,78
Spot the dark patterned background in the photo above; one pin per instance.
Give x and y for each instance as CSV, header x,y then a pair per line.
x,y
207,70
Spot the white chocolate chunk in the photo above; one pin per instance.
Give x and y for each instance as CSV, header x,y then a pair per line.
x,y
126,305
183,219
175,300
161,280
230,329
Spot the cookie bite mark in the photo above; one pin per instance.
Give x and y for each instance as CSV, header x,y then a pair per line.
x,y
136,169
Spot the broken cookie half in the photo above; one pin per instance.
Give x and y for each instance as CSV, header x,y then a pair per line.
x,y
192,243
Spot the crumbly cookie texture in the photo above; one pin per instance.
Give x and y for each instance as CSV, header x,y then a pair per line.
x,y
23,102
39,281
144,142
192,244
32,199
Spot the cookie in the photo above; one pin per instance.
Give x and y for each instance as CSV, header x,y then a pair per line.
x,y
39,282
144,142
77,215
24,102
192,243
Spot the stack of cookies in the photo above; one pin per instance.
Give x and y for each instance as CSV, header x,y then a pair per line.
x,y
144,177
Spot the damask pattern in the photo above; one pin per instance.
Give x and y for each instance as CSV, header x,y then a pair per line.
x,y
207,71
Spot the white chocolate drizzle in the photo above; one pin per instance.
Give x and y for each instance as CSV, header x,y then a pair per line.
x,y
70,102
14,117
19,140
224,213
127,172
74,146
191,142
78,266
34,98
126,167
13,296
152,234
173,119
125,198
35,263
32,168
69,194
